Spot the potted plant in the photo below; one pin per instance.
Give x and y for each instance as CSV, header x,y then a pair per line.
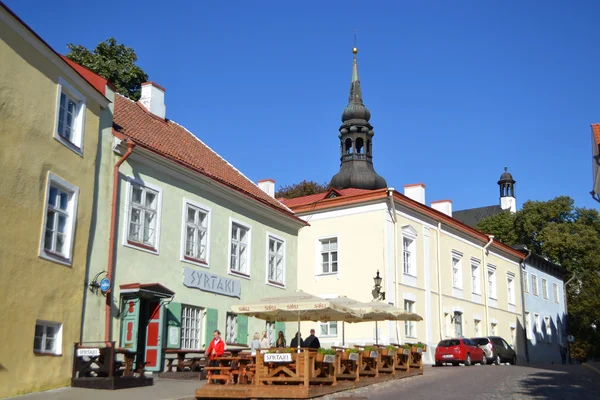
x,y
321,353
388,350
419,346
346,353
367,351
406,349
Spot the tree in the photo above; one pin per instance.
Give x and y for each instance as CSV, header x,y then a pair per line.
x,y
303,188
568,236
112,61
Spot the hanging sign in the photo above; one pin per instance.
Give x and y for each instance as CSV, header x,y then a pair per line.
x,y
329,358
105,285
374,354
353,356
213,283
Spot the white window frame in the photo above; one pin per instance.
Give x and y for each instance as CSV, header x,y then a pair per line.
x,y
510,288
410,327
271,236
476,327
556,293
525,278
528,325
320,257
208,211
457,281
135,245
545,293
77,138
493,285
409,234
57,350
538,326
328,325
247,273
53,180
548,323
535,289
493,326
231,331
191,315
475,277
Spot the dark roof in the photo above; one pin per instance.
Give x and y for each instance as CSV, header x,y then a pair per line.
x,y
472,216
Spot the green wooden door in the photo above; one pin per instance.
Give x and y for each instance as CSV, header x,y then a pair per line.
x,y
212,319
130,321
242,329
174,325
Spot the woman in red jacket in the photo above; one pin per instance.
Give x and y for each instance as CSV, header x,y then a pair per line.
x,y
215,349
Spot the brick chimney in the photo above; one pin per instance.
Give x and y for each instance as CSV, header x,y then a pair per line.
x,y
153,98
267,186
415,191
444,206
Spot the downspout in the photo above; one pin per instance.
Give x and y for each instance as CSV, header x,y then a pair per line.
x,y
394,221
485,286
439,276
529,252
567,314
111,240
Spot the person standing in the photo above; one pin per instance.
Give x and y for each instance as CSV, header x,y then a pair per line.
x,y
312,342
296,341
215,349
563,353
280,340
264,342
255,343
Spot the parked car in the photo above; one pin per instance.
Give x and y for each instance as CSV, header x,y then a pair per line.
x,y
496,350
459,351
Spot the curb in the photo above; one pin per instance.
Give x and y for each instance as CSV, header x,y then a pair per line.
x,y
594,369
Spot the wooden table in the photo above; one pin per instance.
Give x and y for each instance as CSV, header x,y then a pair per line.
x,y
182,355
222,372
346,368
129,360
402,358
387,361
369,366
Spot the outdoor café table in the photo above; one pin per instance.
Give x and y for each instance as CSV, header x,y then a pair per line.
x,y
129,360
245,370
323,371
387,362
402,358
182,354
369,363
347,368
223,371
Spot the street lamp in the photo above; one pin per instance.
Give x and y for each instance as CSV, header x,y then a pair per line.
x,y
377,293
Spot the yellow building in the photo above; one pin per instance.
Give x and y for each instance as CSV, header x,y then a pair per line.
x,y
461,281
50,121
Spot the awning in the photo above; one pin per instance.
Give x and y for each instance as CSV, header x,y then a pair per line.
x,y
147,290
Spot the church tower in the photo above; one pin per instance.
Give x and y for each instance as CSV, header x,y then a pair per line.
x,y
356,142
507,191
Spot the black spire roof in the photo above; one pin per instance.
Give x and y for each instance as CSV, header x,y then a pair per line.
x,y
356,142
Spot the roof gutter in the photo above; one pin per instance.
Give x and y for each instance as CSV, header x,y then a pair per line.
x,y
111,240
390,192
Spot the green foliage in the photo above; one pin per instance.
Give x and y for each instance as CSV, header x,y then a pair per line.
x,y
112,61
303,188
350,351
326,352
391,348
568,236
370,348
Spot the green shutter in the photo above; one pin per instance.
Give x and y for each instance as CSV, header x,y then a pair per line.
x,y
212,319
242,329
174,325
280,326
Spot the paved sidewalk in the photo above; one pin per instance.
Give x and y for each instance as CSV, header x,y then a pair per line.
x,y
163,389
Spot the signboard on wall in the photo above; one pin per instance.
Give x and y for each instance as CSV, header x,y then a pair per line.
x,y
213,283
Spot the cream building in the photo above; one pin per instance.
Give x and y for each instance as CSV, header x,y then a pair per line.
x,y
461,281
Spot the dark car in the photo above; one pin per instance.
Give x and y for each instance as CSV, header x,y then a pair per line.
x,y
496,349
459,351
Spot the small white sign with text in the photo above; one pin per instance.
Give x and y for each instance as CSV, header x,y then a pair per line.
x,y
329,358
353,356
88,352
278,357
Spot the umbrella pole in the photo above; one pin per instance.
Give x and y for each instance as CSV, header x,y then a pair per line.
x,y
343,333
299,344
376,335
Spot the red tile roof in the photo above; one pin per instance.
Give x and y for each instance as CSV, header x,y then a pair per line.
x,y
315,198
596,132
174,142
93,79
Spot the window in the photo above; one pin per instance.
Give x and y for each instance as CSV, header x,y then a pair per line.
x,y
491,274
231,328
545,288
409,326
195,227
48,338
476,327
329,256
59,220
407,256
525,278
555,287
271,333
513,336
475,285
328,328
493,329
70,117
143,214
548,329
240,239
510,284
458,331
191,327
538,326
276,261
534,285
456,272
528,325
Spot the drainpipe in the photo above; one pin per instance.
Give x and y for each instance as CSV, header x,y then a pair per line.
x,y
567,314
111,240
394,221
485,286
439,276
529,252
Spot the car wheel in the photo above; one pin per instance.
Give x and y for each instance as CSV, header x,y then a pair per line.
x,y
468,360
498,360
513,361
438,364
484,360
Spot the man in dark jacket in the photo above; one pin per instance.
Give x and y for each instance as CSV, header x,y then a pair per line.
x,y
296,341
312,342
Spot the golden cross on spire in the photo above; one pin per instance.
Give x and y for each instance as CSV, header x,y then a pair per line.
x,y
355,49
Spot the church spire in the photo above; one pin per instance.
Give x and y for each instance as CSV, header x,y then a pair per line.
x,y
356,141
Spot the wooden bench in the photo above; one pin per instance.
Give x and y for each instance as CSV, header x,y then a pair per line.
x,y
222,374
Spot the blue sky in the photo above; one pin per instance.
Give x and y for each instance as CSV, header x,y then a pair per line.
x,y
457,89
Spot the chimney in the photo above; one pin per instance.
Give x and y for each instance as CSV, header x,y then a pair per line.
x,y
267,186
416,192
444,206
153,98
